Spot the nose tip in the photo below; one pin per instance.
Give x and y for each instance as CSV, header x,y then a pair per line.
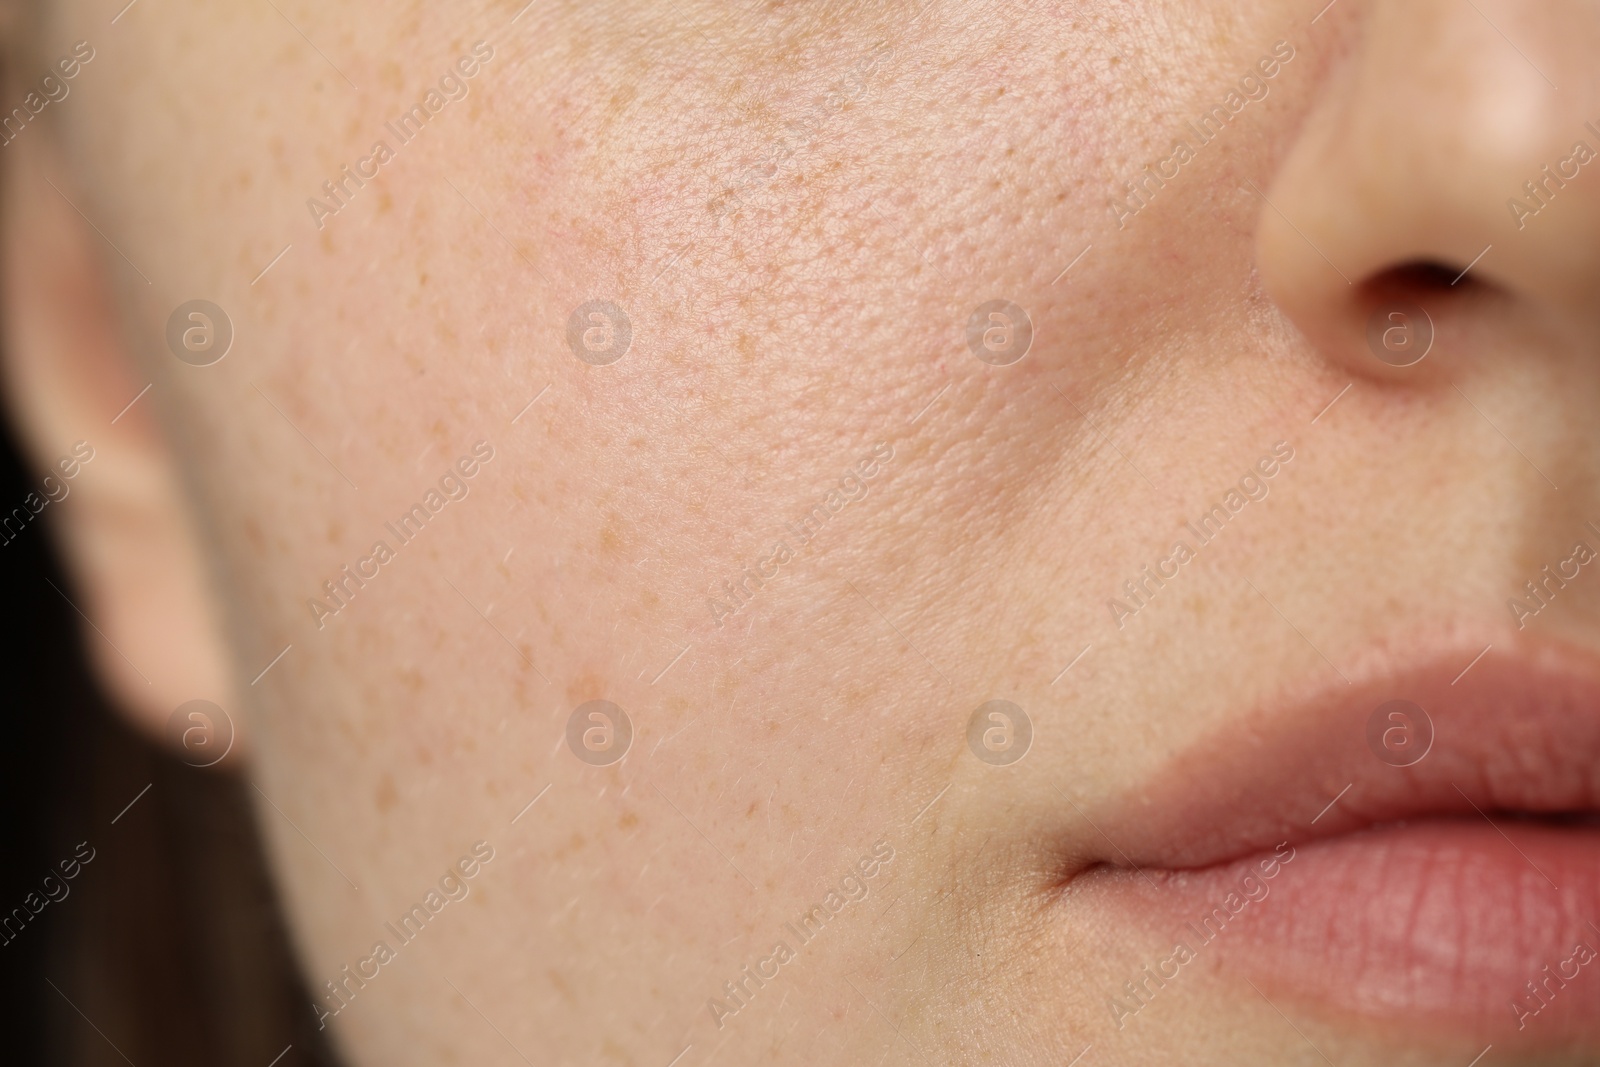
x,y
1451,162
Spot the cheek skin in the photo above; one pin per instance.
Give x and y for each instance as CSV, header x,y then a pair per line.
x,y
773,345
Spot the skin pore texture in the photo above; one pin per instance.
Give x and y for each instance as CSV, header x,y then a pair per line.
x,y
798,206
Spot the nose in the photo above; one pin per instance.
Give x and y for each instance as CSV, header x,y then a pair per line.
x,y
1451,164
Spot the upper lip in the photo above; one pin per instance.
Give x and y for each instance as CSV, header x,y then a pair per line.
x,y
1519,732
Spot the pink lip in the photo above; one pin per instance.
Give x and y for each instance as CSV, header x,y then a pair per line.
x,y
1425,898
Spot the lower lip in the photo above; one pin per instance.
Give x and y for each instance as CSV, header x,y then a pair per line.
x,y
1434,926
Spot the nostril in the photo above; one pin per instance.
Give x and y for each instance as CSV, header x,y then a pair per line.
x,y
1419,280
1399,304
1402,305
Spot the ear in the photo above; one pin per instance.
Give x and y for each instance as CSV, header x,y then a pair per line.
x,y
120,519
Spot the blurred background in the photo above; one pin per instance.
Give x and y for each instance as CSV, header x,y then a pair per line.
x,y
167,948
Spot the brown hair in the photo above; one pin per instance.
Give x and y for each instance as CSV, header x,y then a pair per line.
x,y
164,946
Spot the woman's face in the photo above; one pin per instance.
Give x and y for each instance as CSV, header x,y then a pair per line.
x,y
1081,513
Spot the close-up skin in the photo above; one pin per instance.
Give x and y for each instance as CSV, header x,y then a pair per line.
x,y
923,532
